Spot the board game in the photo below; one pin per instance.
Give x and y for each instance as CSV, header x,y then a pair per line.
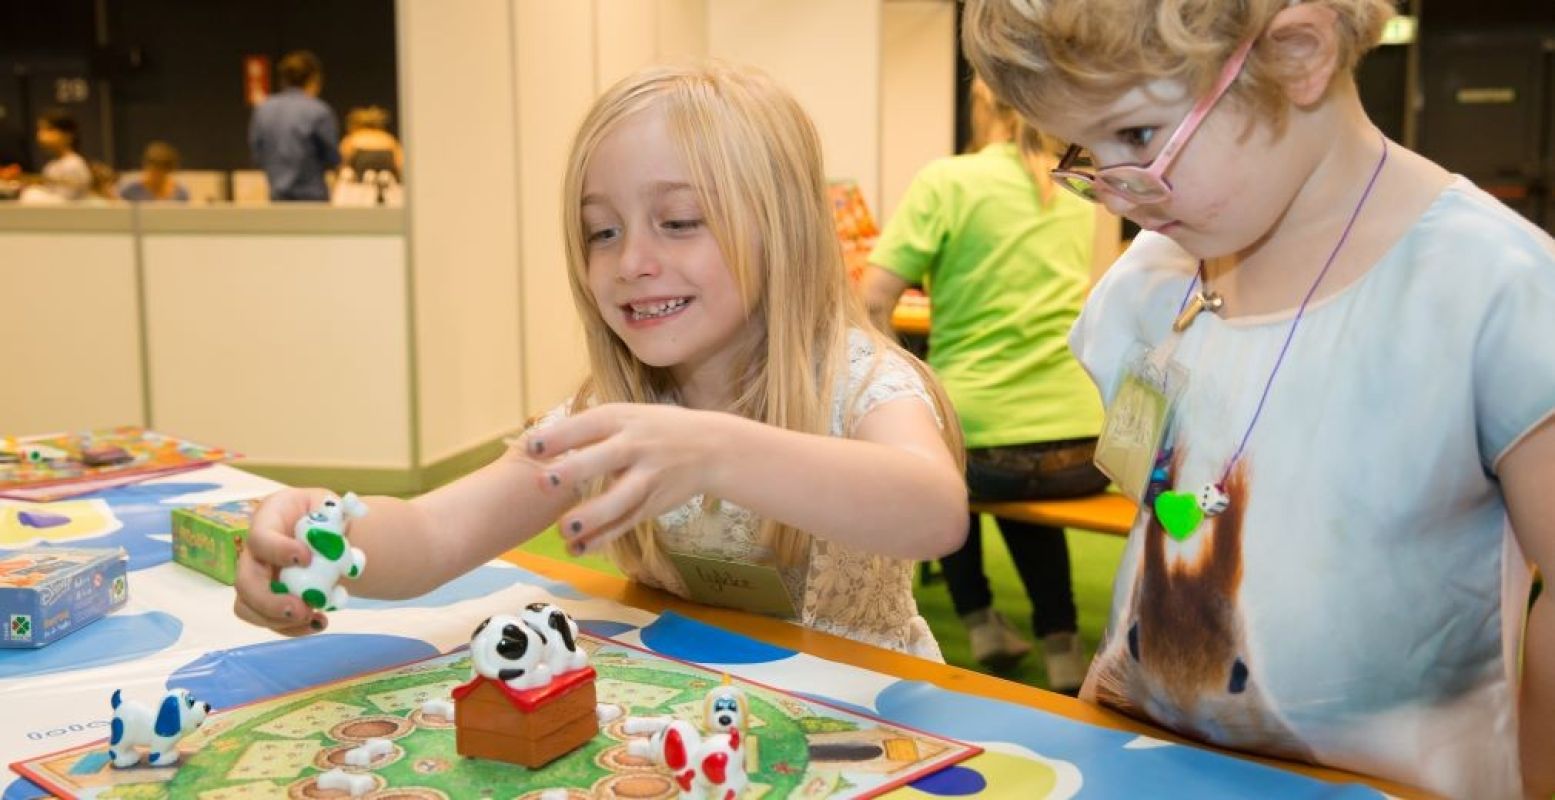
x,y
277,748
57,466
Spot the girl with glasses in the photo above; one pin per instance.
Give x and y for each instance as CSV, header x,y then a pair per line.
x,y
1330,384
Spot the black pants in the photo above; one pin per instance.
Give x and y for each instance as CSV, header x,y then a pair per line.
x,y
1042,471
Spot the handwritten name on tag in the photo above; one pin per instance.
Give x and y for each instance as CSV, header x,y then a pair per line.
x,y
757,588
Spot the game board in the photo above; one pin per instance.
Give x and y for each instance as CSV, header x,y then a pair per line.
x,y
149,453
276,748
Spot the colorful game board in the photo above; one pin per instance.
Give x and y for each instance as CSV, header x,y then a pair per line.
x,y
48,479
277,748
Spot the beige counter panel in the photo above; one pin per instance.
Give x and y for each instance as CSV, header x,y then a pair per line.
x,y
289,348
70,353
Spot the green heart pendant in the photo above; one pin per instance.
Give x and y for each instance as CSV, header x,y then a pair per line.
x,y
1179,514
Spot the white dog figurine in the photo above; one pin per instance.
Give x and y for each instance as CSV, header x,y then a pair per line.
x,y
324,529
178,715
711,768
504,648
562,653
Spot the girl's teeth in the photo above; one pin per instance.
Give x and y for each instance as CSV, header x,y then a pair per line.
x,y
657,309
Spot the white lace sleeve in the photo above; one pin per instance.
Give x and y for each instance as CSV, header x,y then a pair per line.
x,y
875,377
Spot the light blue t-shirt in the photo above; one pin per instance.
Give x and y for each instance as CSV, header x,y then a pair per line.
x,y
1361,603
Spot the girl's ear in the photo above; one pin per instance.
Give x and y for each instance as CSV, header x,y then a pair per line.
x,y
1305,38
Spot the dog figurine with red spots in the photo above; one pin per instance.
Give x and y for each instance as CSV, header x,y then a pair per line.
x,y
711,768
134,726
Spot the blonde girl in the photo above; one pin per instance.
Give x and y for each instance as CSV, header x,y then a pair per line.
x,y
739,406
1354,344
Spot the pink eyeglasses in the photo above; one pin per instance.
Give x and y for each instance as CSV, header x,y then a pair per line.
x,y
1146,183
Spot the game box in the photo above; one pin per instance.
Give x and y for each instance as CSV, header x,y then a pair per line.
x,y
49,592
207,538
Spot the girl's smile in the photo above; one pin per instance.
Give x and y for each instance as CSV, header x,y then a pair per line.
x,y
650,311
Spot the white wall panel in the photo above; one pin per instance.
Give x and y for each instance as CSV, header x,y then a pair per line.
x,y
289,349
827,52
70,351
457,89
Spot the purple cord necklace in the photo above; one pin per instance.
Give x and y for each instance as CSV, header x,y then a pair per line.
x,y
1180,512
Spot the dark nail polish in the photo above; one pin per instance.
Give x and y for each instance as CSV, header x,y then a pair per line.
x,y
576,526
556,480
287,613
537,447
317,625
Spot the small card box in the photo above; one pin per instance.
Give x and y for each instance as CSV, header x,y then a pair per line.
x,y
48,592
207,538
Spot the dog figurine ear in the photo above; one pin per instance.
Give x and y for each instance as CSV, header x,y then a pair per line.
x,y
168,720
353,506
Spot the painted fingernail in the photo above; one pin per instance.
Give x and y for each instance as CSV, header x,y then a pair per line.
x,y
296,561
537,447
287,613
317,624
556,480
576,526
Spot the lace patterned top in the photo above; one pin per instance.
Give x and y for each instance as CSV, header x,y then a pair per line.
x,y
838,589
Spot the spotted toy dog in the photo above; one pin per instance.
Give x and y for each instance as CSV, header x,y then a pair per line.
x,y
133,726
504,648
559,635
711,767
324,531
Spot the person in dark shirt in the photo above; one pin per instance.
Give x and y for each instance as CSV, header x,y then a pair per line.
x,y
293,134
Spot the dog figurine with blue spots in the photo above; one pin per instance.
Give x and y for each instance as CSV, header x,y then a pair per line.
x,y
324,530
134,726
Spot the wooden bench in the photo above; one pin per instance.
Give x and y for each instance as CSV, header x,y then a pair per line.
x,y
1108,512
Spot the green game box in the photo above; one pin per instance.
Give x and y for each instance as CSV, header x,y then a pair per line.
x,y
207,538
48,592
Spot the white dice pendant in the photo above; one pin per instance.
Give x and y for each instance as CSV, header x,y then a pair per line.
x,y
1213,499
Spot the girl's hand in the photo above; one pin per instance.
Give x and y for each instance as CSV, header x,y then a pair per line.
x,y
657,457
269,546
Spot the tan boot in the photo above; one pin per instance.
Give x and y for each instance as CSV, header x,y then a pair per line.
x,y
1064,656
995,642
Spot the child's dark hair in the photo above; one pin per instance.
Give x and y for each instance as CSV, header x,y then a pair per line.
x,y
299,67
61,120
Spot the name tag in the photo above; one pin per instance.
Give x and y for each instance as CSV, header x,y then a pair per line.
x,y
756,588
1137,420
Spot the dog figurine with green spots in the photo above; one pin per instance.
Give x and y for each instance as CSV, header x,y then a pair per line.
x,y
324,530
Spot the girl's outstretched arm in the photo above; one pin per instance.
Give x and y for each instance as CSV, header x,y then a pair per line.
x,y
893,489
1528,478
412,546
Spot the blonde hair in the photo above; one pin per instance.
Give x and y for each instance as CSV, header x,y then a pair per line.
x,y
1038,152
755,160
367,118
1042,55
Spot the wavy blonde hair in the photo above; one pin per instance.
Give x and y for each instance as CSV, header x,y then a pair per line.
x,y
1042,55
755,160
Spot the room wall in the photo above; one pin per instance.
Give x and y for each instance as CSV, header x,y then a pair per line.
x,y
828,53
917,92
72,347
462,202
